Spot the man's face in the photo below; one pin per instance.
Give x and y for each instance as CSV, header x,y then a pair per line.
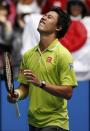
x,y
48,23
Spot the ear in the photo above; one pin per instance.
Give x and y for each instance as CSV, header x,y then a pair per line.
x,y
58,28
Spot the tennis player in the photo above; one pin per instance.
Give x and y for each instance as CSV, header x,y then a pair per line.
x,y
47,76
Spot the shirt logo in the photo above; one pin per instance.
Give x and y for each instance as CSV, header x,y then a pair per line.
x,y
49,59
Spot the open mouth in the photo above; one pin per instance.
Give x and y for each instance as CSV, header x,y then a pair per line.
x,y
42,22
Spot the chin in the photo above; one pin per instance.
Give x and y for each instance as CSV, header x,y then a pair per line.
x,y
40,29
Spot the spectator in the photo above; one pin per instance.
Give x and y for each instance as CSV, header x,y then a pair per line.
x,y
76,9
5,32
77,33
30,34
24,21
5,24
17,42
11,8
49,3
12,11
77,39
27,6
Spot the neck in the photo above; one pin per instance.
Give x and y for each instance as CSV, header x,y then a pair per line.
x,y
79,17
46,40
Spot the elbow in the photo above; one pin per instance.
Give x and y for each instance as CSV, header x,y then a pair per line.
x,y
69,96
66,96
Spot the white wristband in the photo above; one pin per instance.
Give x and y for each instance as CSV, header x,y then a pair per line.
x,y
18,92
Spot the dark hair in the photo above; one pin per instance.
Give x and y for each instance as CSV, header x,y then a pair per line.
x,y
63,21
80,4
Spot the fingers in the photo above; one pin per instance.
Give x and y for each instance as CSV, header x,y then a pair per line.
x,y
13,98
30,77
28,74
31,81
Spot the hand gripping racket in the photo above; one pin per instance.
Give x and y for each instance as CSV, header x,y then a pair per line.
x,y
9,78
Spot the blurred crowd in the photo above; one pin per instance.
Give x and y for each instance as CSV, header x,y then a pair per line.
x,y
18,29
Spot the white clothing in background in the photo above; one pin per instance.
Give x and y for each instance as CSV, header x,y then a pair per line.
x,y
31,8
30,35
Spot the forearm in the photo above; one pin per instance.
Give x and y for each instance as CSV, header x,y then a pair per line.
x,y
60,91
63,91
22,90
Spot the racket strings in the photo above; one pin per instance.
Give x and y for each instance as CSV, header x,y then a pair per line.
x,y
9,79
8,73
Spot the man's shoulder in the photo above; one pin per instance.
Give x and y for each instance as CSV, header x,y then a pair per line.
x,y
63,50
63,54
30,51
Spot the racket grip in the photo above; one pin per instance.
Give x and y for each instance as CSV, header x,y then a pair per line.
x,y
17,109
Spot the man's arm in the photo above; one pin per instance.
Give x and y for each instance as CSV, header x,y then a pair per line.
x,y
22,91
60,91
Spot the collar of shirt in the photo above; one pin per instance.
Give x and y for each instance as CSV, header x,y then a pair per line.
x,y
51,47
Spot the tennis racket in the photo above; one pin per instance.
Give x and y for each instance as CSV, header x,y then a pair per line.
x,y
9,78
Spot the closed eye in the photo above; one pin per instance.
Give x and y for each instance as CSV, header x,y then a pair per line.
x,y
48,16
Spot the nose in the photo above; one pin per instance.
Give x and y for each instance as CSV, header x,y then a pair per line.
x,y
44,17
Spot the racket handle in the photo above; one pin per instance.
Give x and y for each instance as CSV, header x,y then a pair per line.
x,y
17,109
